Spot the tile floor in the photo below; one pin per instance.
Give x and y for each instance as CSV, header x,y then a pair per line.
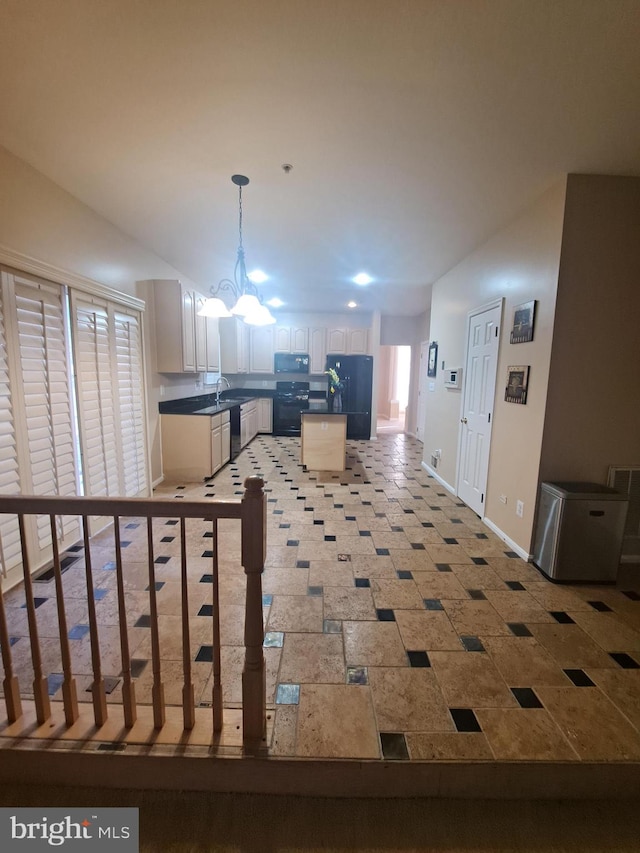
x,y
397,625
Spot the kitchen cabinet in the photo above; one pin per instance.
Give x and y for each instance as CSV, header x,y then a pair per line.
x,y
357,341
282,339
265,414
175,320
248,422
234,345
261,349
300,339
337,341
194,447
317,350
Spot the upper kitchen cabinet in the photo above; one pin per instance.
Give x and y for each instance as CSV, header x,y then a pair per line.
x,y
317,349
234,345
261,349
181,336
348,341
337,340
292,339
282,339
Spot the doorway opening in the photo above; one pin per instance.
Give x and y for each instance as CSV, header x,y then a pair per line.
x,y
393,388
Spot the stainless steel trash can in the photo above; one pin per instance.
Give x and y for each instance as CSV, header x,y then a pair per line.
x,y
579,531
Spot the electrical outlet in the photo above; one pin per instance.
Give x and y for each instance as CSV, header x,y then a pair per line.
x,y
519,509
503,499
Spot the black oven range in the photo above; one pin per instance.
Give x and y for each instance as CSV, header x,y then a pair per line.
x,y
290,400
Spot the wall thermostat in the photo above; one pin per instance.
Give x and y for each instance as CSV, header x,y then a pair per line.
x,y
453,377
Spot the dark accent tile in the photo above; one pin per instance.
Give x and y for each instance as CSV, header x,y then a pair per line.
x,y
418,659
178,488
397,529
144,621
362,582
314,590
162,560
600,606
365,533
302,564
111,747
278,512
67,561
318,521
465,720
273,640
78,632
137,667
167,538
157,585
404,575
562,617
357,675
472,644
207,554
632,594
443,567
427,524
519,629
450,540
331,626
329,538
109,567
206,579
288,694
171,522
293,543
99,594
417,546
37,602
382,552
512,554
394,746
455,521
338,506
514,585
385,615
76,548
350,518
284,526
432,604
481,536
579,677
206,610
205,654
526,697
479,561
624,660
476,594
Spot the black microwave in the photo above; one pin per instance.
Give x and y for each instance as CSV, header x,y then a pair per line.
x,y
288,362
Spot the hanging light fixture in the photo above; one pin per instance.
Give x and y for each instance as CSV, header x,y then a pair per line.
x,y
248,302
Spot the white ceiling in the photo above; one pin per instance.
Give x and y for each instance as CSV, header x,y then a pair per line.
x,y
416,128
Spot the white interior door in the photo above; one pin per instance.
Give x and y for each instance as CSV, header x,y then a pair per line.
x,y
423,389
479,393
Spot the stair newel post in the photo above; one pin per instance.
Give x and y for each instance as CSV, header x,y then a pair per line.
x,y
254,527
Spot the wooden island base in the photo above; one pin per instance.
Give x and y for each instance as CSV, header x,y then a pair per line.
x,y
324,441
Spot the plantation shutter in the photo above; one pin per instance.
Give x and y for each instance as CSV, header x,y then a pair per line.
x,y
128,341
46,401
10,555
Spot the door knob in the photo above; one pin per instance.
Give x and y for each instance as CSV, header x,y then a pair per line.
x,y
463,420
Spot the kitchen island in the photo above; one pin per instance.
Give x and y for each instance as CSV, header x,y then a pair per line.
x,y
324,439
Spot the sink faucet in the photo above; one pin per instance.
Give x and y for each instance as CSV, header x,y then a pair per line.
x,y
217,386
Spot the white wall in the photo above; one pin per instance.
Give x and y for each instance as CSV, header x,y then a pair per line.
x,y
518,264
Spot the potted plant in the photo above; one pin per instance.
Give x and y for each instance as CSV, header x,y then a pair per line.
x,y
336,387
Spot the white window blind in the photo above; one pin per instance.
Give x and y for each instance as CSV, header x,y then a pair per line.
x,y
131,413
9,476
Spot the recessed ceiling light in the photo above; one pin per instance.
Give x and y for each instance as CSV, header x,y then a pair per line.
x,y
362,278
257,276
352,304
275,302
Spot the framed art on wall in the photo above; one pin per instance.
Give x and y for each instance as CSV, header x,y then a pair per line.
x,y
517,382
523,316
432,365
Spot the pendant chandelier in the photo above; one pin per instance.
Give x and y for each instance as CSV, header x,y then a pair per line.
x,y
247,300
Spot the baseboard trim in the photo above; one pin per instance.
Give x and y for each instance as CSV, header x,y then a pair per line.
x,y
437,477
513,545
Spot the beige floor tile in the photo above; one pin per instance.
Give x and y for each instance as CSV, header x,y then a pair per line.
x,y
341,602
591,723
395,541
427,630
284,730
477,577
329,573
336,721
622,687
443,585
514,570
281,556
517,606
523,662
373,567
448,746
524,735
296,613
412,561
608,631
451,554
570,646
315,658
408,699
475,618
455,531
285,581
310,550
556,598
396,594
471,680
373,644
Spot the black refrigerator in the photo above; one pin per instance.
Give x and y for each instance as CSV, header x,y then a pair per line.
x,y
356,374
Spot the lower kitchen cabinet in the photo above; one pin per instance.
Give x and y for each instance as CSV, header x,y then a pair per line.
x,y
194,447
265,414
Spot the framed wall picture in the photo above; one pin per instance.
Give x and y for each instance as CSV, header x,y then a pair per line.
x,y
432,365
523,316
517,383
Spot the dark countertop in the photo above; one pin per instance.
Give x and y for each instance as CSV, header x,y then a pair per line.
x,y
205,404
